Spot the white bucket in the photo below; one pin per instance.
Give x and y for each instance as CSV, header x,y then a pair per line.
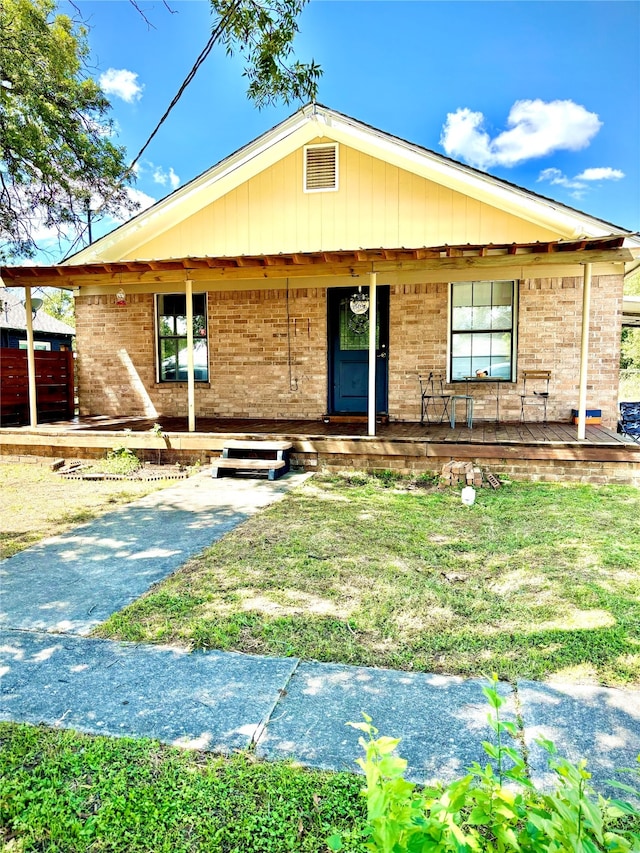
x,y
468,496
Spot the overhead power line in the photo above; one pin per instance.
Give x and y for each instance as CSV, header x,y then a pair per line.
x,y
213,38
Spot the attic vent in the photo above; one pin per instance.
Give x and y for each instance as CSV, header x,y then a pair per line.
x,y
320,168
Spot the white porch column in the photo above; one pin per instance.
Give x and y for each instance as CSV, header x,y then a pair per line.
x,y
31,360
191,384
372,352
584,353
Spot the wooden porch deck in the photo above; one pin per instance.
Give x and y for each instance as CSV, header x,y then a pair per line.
x,y
516,447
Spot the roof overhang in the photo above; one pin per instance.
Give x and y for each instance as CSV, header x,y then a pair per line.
x,y
619,249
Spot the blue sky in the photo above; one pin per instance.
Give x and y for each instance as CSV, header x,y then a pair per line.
x,y
544,94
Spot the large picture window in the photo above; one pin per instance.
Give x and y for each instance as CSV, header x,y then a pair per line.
x,y
482,329
172,337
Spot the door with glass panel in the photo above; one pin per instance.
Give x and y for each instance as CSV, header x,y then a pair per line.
x,y
348,347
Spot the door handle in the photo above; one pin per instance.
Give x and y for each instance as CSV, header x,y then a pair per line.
x,y
382,355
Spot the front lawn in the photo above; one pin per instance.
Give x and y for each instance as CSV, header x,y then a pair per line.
x,y
534,580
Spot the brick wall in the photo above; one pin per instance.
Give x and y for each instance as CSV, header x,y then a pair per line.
x,y
549,329
265,365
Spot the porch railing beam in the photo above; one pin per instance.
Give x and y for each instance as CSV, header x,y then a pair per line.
x,y
584,353
191,384
372,353
31,360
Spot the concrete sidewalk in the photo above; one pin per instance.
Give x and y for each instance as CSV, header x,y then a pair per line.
x,y
281,707
71,583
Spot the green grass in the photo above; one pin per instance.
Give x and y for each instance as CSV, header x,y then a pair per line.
x,y
533,581
63,792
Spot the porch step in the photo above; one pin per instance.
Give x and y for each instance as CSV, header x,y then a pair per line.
x,y
270,457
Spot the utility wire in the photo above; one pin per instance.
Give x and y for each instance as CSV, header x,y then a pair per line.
x,y
213,38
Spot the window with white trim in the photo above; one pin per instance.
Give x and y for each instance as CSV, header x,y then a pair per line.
x,y
171,328
321,168
483,326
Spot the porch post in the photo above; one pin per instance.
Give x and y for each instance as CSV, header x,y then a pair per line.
x,y
191,385
31,360
372,352
584,353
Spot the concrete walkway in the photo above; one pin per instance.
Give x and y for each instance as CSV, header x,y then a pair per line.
x,y
55,592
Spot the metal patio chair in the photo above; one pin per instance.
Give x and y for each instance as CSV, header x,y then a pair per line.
x,y
535,391
629,422
433,397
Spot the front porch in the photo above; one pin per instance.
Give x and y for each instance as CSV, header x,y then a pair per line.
x,y
533,451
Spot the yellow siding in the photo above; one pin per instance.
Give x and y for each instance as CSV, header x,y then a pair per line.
x,y
376,205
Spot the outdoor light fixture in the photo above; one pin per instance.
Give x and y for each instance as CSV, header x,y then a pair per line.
x,y
121,297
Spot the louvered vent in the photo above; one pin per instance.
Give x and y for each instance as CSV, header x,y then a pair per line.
x,y
321,168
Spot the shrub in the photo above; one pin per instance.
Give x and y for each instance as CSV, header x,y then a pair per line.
x,y
495,809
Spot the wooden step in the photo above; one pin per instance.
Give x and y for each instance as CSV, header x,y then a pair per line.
x,y
275,446
273,467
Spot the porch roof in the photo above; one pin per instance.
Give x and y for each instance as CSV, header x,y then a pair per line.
x,y
613,248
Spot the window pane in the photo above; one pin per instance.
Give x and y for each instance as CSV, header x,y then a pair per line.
x,y
462,317
462,293
199,305
460,367
167,325
501,317
167,359
501,345
481,293
181,325
461,346
481,345
482,317
502,292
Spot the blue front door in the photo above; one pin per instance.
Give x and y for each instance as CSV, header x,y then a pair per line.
x,y
349,351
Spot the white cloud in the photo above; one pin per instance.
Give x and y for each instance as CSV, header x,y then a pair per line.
x,y
141,199
121,83
163,178
537,128
558,178
579,184
601,173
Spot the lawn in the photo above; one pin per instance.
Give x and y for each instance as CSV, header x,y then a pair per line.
x,y
36,502
533,581
63,792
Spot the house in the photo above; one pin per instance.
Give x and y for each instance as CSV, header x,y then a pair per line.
x,y
50,334
247,293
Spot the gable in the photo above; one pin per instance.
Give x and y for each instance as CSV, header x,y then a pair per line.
x,y
376,204
388,193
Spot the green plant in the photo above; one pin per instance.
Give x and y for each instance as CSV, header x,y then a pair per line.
x,y
495,808
120,460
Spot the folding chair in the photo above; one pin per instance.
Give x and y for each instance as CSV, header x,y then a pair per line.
x,y
629,422
535,391
432,396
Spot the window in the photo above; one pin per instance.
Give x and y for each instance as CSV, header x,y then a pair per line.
x,y
320,168
483,329
172,337
45,346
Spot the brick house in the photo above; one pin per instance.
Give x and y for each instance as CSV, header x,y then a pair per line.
x,y
247,292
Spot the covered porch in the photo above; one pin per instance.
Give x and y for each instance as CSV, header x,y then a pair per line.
x,y
535,451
